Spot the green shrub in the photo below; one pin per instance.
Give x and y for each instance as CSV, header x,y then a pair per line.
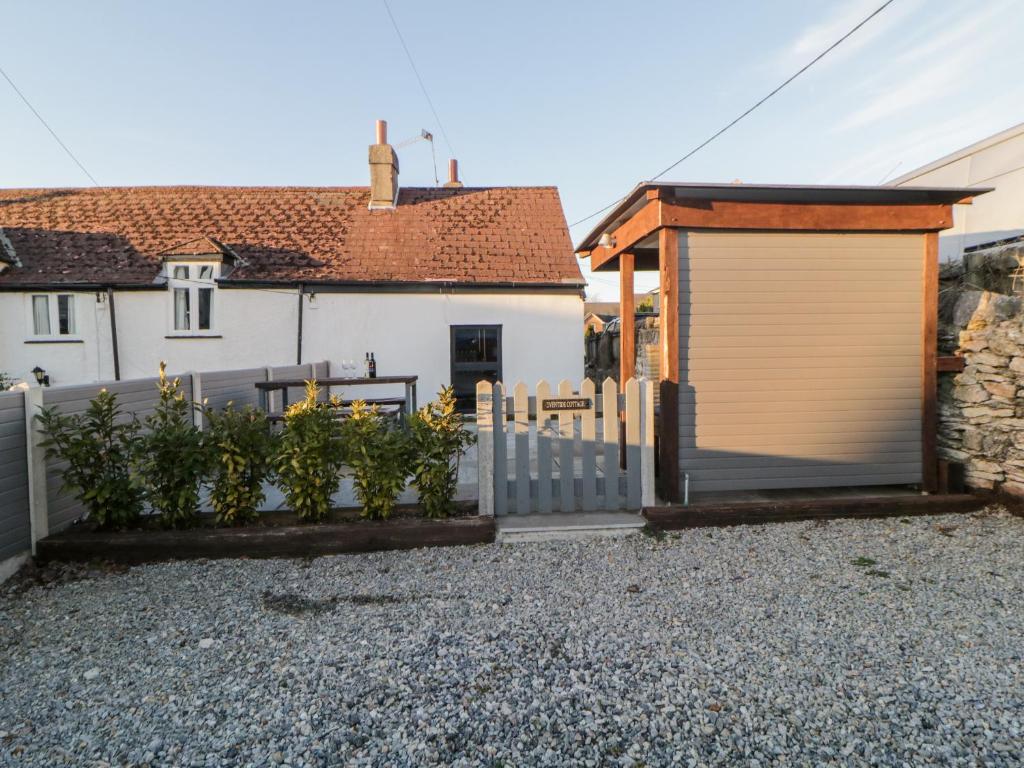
x,y
242,448
379,453
98,446
173,457
6,382
439,439
310,456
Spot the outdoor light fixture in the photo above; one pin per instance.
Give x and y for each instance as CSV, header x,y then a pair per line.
x,y
41,376
606,241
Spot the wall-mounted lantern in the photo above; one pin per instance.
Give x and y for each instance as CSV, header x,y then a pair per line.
x,y
41,376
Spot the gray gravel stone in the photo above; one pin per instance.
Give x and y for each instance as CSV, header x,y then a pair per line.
x,y
771,646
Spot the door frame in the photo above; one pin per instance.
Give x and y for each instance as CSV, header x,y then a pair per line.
x,y
474,366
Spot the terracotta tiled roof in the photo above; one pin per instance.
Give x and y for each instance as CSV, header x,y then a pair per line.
x,y
287,234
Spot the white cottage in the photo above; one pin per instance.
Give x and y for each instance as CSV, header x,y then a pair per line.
x,y
452,284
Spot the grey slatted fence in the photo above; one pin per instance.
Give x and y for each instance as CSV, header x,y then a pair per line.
x,y
294,394
563,463
15,523
138,396
239,387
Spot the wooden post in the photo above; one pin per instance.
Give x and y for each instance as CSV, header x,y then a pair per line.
x,y
485,448
627,320
270,394
929,352
521,408
39,515
543,449
566,459
588,434
646,443
668,319
197,400
632,444
610,447
500,452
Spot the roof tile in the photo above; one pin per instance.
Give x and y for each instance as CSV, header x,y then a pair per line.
x,y
119,235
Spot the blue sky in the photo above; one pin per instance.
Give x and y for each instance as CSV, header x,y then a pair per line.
x,y
589,96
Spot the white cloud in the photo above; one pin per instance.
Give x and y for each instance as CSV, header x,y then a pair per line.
x,y
819,35
907,151
951,53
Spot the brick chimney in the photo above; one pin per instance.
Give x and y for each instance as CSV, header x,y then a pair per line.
x,y
453,174
383,170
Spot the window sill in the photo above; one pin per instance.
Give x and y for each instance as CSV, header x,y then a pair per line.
x,y
54,341
194,336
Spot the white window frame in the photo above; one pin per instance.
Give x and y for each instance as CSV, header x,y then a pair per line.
x,y
53,315
193,283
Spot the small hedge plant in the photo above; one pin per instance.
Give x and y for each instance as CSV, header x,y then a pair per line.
x,y
173,456
439,438
99,446
242,451
379,453
310,456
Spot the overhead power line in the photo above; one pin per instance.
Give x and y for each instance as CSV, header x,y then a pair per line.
x,y
419,79
47,126
757,104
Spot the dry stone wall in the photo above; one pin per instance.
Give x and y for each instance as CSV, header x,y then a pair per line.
x,y
981,409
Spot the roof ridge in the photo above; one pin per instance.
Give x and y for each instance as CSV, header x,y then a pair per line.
x,y
262,188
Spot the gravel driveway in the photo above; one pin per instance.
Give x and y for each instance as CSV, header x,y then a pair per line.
x,y
892,642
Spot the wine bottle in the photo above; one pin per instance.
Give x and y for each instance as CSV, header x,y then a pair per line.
x,y
373,367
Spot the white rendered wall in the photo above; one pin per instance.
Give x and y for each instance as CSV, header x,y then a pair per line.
x,y
86,357
407,332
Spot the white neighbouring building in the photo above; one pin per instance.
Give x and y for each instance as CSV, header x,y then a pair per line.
x,y
995,163
451,284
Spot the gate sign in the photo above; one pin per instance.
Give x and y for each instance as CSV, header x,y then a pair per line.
x,y
566,404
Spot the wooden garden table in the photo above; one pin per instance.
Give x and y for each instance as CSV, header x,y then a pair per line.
x,y
409,382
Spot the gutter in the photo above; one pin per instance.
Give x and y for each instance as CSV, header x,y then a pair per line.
x,y
392,286
78,287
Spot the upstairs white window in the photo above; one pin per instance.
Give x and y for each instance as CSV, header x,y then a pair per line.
x,y
192,287
53,315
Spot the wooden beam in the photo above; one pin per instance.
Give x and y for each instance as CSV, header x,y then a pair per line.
x,y
636,228
929,353
661,211
950,364
668,319
627,320
807,217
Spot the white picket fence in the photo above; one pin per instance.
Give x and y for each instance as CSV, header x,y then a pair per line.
x,y
561,463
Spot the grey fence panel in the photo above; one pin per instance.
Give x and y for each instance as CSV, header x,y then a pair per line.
x,y
138,396
295,394
238,387
15,535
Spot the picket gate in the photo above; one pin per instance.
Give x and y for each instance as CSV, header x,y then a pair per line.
x,y
562,450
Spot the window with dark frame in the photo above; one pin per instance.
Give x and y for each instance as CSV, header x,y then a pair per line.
x,y
475,356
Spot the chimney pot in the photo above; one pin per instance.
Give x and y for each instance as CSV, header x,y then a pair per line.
x,y
453,173
382,131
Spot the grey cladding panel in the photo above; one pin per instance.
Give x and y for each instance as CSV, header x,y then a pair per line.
x,y
800,359
14,510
